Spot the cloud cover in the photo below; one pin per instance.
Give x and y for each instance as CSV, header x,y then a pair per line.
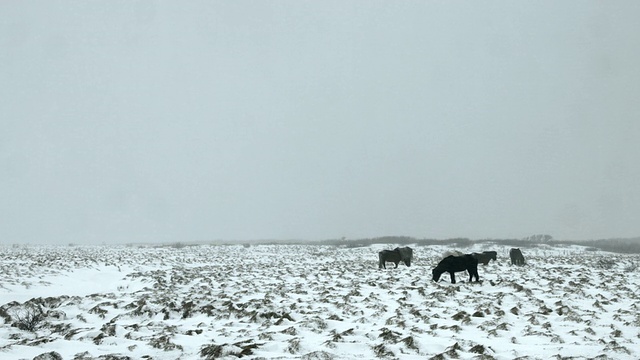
x,y
159,121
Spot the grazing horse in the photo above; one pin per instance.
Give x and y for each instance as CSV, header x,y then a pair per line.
x,y
404,254
516,256
453,264
485,257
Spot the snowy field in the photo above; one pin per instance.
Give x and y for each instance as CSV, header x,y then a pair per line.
x,y
313,302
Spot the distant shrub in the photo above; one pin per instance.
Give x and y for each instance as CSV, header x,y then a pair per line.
x,y
52,355
239,349
28,317
355,245
606,264
631,267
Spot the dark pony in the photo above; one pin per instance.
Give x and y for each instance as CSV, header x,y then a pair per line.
x,y
453,264
516,256
404,254
485,257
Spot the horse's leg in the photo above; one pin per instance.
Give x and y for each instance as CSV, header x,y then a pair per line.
x,y
453,277
396,262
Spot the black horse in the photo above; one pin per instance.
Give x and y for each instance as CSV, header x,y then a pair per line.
x,y
453,264
404,254
485,257
516,256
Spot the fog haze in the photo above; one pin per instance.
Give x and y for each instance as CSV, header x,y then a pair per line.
x,y
139,121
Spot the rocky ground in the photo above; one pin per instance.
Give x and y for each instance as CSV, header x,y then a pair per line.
x,y
313,302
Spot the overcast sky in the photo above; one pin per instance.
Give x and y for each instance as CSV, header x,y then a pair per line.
x,y
145,121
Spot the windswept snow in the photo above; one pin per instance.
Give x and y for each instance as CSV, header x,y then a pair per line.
x,y
313,302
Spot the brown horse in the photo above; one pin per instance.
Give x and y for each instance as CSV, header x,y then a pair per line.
x,y
485,256
516,256
404,254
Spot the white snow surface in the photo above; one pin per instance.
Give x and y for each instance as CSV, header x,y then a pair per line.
x,y
314,302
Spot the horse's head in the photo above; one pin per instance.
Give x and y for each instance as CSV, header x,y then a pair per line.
x,y
406,254
435,274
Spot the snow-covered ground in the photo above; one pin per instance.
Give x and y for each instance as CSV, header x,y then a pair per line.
x,y
313,302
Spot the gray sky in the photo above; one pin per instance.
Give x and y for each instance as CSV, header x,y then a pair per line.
x,y
128,121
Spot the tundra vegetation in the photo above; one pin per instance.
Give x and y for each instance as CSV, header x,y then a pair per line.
x,y
320,301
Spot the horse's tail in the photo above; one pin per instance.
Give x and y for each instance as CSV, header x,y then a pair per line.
x,y
380,260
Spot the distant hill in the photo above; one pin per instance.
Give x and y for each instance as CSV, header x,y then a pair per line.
x,y
618,245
